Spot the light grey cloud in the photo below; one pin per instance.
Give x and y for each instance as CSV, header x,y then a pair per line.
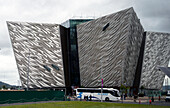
x,y
153,8
8,69
4,38
154,14
7,51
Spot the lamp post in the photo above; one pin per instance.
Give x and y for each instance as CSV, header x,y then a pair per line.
x,y
101,83
104,28
28,70
28,66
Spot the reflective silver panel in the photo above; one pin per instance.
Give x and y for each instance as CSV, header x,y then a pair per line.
x,y
110,45
166,70
156,54
37,49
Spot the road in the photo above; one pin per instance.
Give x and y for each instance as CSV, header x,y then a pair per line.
x,y
127,101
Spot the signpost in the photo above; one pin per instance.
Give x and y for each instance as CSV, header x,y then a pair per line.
x,y
102,90
101,83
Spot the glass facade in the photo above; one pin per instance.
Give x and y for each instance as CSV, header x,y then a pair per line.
x,y
73,50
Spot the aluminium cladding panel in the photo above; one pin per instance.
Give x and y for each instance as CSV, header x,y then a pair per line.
x,y
156,54
38,53
106,51
134,42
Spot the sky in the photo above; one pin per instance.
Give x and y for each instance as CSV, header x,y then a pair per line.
x,y
153,14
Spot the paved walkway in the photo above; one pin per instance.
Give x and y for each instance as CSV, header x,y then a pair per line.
x,y
129,100
161,103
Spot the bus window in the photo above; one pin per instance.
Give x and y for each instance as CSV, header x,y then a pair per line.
x,y
115,93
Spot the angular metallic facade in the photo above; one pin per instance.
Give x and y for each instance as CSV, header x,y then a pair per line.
x,y
109,45
114,47
38,53
156,54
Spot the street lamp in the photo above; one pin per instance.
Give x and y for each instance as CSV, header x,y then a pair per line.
x,y
101,83
28,61
104,28
28,66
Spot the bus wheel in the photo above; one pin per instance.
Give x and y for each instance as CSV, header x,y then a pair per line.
x,y
106,99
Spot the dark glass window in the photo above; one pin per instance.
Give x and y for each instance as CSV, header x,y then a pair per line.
x,y
73,50
55,67
47,68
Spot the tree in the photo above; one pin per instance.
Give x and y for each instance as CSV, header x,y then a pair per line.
x,y
142,87
4,87
122,88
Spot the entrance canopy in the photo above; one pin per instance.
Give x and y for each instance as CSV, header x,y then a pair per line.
x,y
166,70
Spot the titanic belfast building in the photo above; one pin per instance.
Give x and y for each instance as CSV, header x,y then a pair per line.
x,y
81,52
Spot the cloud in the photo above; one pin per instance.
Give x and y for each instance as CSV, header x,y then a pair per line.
x,y
8,69
153,8
7,51
154,14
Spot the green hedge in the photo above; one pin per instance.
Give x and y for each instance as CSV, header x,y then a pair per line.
x,y
30,96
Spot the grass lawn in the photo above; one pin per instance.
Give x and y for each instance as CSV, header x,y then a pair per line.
x,y
81,104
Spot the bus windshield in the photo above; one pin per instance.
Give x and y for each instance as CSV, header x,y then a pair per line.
x,y
115,93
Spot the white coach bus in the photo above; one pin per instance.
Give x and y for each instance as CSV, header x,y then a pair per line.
x,y
109,94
